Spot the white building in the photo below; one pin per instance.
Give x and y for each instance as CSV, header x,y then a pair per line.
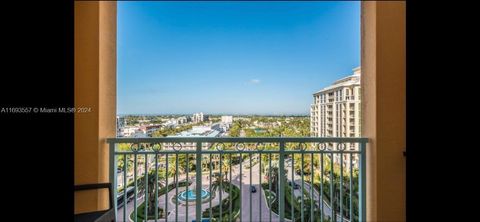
x,y
222,127
139,134
227,119
196,131
197,117
168,125
335,111
137,131
182,120
121,122
127,131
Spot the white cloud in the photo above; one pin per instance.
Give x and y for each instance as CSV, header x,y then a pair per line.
x,y
254,81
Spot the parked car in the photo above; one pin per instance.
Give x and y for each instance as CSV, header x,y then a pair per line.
x,y
203,220
295,185
253,189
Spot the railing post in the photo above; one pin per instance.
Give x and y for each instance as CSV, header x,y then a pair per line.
x,y
198,177
113,176
281,163
362,216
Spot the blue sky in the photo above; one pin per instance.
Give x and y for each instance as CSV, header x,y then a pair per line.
x,y
232,57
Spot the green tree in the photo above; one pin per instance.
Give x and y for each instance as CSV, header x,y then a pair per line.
x,y
152,186
173,171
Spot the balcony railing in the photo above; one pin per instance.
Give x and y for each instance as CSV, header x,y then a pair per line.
x,y
239,179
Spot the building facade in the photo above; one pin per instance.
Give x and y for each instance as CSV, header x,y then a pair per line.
x,y
182,120
121,122
196,131
198,117
335,111
227,119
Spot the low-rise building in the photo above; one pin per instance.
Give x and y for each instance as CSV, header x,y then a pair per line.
x,y
196,131
150,129
127,131
227,119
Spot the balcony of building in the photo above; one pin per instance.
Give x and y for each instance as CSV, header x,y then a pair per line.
x,y
245,164
382,197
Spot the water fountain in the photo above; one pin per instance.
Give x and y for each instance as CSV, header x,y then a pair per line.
x,y
190,195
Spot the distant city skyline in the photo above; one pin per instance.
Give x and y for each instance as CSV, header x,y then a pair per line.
x,y
209,114
232,58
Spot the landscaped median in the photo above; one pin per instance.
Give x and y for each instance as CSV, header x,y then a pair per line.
x,y
234,199
141,213
289,202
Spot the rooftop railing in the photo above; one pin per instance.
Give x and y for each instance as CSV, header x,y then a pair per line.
x,y
239,179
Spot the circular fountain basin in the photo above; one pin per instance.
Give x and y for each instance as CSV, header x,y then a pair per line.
x,y
191,195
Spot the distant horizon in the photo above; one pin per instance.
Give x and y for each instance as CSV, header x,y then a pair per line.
x,y
241,58
213,114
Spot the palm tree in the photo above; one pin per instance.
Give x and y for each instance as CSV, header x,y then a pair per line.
x,y
184,162
162,176
152,186
307,162
217,179
173,171
225,167
275,179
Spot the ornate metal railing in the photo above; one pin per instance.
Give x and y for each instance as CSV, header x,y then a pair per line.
x,y
304,179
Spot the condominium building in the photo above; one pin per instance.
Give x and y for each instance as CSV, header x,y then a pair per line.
x,y
198,117
335,111
182,120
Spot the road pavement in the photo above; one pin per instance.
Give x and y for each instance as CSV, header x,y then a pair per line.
x,y
259,208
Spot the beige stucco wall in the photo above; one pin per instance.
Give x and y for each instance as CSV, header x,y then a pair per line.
x,y
384,96
95,87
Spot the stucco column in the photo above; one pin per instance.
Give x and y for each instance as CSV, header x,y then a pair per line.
x,y
383,107
95,88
